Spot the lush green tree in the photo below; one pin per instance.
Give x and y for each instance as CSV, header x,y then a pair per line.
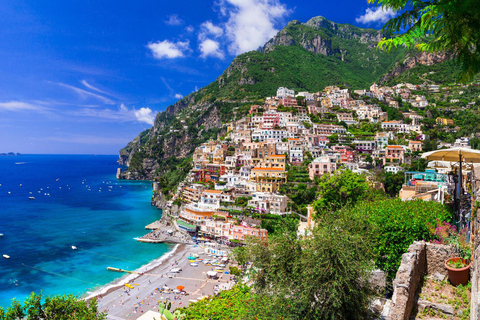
x,y
340,189
436,26
393,182
64,307
323,276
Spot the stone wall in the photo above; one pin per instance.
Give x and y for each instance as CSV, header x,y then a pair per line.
x,y
436,256
409,277
421,258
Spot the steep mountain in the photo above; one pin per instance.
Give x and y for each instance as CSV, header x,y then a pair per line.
x,y
302,56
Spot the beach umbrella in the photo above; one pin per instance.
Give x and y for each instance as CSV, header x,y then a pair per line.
x,y
180,288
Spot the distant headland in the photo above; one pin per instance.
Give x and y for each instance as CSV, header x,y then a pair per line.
x,y
10,154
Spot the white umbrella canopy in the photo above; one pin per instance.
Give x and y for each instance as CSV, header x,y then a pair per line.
x,y
453,155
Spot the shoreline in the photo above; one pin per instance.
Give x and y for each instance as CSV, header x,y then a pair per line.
x,y
156,283
126,278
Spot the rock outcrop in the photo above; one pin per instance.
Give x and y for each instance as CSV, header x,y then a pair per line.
x,y
413,60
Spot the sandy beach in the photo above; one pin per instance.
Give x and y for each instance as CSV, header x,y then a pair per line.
x,y
123,303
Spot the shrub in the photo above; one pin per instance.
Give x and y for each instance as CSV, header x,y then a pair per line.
x,y
396,224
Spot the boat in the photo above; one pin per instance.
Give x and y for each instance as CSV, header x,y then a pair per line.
x,y
1,234
31,198
74,248
6,256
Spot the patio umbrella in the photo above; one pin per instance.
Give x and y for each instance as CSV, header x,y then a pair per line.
x,y
180,288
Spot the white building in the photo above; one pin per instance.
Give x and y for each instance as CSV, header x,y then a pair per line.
x,y
393,169
283,92
308,96
276,135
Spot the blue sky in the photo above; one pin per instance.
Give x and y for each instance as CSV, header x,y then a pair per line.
x,y
88,76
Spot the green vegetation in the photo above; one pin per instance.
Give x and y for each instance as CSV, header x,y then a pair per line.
x,y
276,224
396,224
441,73
436,26
65,307
171,178
319,277
238,303
340,189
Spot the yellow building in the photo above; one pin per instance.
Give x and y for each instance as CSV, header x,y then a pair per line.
x,y
268,179
275,161
444,121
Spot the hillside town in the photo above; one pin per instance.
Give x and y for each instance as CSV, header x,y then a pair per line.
x,y
313,133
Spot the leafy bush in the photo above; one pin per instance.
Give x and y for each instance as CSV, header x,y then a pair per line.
x,y
396,224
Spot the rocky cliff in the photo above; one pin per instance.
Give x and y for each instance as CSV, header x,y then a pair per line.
x,y
413,60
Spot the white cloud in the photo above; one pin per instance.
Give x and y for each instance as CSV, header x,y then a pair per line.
x,y
85,94
123,107
375,15
145,115
19,106
89,86
169,50
251,23
189,29
174,20
208,28
178,96
211,48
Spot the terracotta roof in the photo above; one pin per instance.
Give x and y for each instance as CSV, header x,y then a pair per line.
x,y
269,169
394,147
213,191
279,155
390,122
415,141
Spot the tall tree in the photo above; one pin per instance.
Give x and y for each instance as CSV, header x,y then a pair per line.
x,y
436,26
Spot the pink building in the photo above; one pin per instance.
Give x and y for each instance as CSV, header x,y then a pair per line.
x,y
289,101
321,165
240,232
394,154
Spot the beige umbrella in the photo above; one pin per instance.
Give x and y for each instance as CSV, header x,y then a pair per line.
x,y
454,155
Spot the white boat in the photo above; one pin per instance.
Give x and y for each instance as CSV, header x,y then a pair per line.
x,y
6,256
1,234
31,198
74,248
193,264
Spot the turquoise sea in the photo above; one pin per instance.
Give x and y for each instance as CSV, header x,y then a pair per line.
x,y
78,202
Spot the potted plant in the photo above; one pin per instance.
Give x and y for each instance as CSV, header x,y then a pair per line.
x,y
458,267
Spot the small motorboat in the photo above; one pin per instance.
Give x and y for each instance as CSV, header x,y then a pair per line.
x,y
1,234
31,198
6,256
194,264
74,248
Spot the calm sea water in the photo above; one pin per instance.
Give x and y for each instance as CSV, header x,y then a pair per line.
x,y
78,202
